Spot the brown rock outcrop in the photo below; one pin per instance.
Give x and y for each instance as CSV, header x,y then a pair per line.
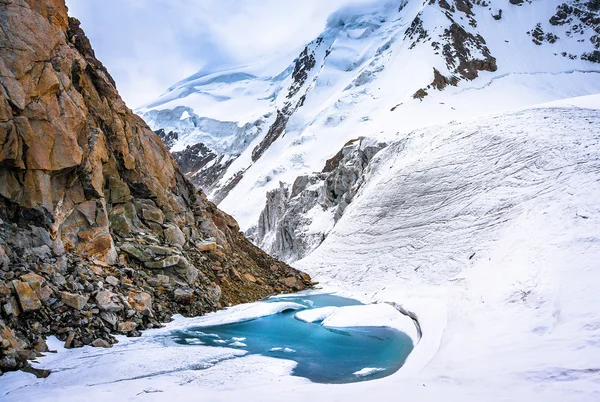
x,y
88,191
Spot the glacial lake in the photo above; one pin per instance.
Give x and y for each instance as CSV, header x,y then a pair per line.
x,y
323,355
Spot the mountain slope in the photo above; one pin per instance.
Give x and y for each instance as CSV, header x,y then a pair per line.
x,y
100,232
375,70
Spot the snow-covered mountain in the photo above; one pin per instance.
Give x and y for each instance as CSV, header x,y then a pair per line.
x,y
378,70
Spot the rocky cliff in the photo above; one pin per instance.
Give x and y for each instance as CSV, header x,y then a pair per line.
x,y
100,233
296,220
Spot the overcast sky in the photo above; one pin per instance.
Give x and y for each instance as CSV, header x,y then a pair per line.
x,y
148,45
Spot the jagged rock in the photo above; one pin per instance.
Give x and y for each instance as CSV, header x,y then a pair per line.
x,y
40,237
27,297
123,219
76,301
141,302
4,289
35,281
45,293
170,261
135,252
167,138
11,307
105,300
12,347
159,280
187,270
250,277
88,210
109,317
59,280
174,235
150,213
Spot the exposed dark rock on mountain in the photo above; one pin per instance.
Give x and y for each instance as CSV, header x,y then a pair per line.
x,y
167,138
100,232
194,158
578,15
286,226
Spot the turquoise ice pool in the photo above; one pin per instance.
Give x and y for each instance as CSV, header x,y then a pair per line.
x,y
323,355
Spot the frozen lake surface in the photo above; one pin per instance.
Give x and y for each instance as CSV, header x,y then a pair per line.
x,y
322,354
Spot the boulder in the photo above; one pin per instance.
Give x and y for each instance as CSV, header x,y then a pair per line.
x,y
174,235
126,327
141,302
160,250
40,237
158,280
109,317
105,300
111,280
27,297
45,293
11,307
42,252
101,343
187,270
34,280
206,246
135,252
184,296
88,210
293,282
4,289
250,277
73,300
153,214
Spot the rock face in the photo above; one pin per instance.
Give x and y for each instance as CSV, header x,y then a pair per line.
x,y
296,220
92,203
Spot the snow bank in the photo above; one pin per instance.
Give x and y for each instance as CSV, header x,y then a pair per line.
x,y
239,313
367,371
315,315
372,315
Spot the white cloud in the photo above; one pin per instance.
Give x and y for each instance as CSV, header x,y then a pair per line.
x,y
149,45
